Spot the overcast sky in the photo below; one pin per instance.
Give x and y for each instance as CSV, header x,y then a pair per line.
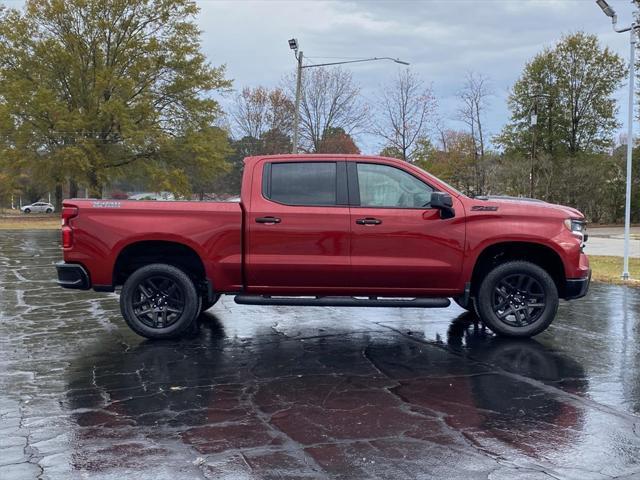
x,y
442,39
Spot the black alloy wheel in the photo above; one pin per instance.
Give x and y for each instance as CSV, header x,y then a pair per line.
x,y
517,299
159,301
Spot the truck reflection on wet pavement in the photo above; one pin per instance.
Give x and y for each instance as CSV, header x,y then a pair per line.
x,y
280,392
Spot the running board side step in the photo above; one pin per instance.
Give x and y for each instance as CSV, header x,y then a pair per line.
x,y
420,302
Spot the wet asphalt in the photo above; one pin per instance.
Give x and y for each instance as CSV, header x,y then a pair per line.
x,y
280,392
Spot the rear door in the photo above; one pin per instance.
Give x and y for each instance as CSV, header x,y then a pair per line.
x,y
400,244
297,226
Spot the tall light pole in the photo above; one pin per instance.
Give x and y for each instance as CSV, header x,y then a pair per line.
x,y
293,45
609,12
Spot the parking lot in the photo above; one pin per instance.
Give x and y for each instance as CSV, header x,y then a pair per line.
x,y
281,392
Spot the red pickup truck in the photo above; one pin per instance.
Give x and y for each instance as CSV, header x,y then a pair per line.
x,y
329,230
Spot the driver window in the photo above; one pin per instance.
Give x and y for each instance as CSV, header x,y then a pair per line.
x,y
384,186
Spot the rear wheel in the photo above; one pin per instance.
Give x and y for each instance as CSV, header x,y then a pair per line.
x,y
159,301
517,299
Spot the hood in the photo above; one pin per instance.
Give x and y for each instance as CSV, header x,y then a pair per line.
x,y
482,202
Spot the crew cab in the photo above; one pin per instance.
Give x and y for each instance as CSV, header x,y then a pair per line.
x,y
329,230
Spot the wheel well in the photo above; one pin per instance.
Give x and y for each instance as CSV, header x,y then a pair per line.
x,y
536,253
139,254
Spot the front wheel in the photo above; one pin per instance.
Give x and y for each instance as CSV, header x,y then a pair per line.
x,y
27,210
159,301
49,210
517,299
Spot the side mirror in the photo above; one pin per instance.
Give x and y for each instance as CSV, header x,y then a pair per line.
x,y
443,202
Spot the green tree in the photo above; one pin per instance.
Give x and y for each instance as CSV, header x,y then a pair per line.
x,y
90,89
571,88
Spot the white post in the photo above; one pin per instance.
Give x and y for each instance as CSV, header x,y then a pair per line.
x,y
627,204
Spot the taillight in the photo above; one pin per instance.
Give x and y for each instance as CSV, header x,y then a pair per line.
x,y
67,232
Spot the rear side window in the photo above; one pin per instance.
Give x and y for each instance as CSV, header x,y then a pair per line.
x,y
304,183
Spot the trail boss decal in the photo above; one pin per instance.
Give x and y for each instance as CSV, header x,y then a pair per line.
x,y
483,208
106,204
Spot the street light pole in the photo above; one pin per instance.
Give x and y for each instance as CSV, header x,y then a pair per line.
x,y
627,203
609,12
534,126
293,45
296,117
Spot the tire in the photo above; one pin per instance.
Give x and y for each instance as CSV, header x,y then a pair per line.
x,y
207,304
49,210
517,299
159,301
27,210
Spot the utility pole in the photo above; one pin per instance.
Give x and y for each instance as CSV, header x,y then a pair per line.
x,y
293,45
632,29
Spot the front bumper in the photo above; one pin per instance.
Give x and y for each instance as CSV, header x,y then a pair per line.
x,y
72,275
577,287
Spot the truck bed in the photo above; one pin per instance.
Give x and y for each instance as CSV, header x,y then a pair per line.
x,y
104,228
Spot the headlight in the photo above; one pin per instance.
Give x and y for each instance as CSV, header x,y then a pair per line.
x,y
578,228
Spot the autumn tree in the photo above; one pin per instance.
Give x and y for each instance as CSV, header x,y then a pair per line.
x,y
336,140
92,88
330,99
450,158
405,110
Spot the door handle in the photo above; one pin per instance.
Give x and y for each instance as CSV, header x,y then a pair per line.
x,y
368,221
268,220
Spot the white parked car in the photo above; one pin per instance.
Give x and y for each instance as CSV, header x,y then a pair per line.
x,y
38,207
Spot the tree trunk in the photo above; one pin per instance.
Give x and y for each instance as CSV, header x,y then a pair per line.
x,y
95,186
73,189
58,196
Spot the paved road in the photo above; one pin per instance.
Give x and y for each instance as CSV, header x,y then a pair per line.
x,y
610,241
309,393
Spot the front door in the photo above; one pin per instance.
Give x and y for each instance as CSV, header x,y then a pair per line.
x,y
398,242
298,228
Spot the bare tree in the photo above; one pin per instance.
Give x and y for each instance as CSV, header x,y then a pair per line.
x,y
263,116
260,110
329,100
474,98
406,109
